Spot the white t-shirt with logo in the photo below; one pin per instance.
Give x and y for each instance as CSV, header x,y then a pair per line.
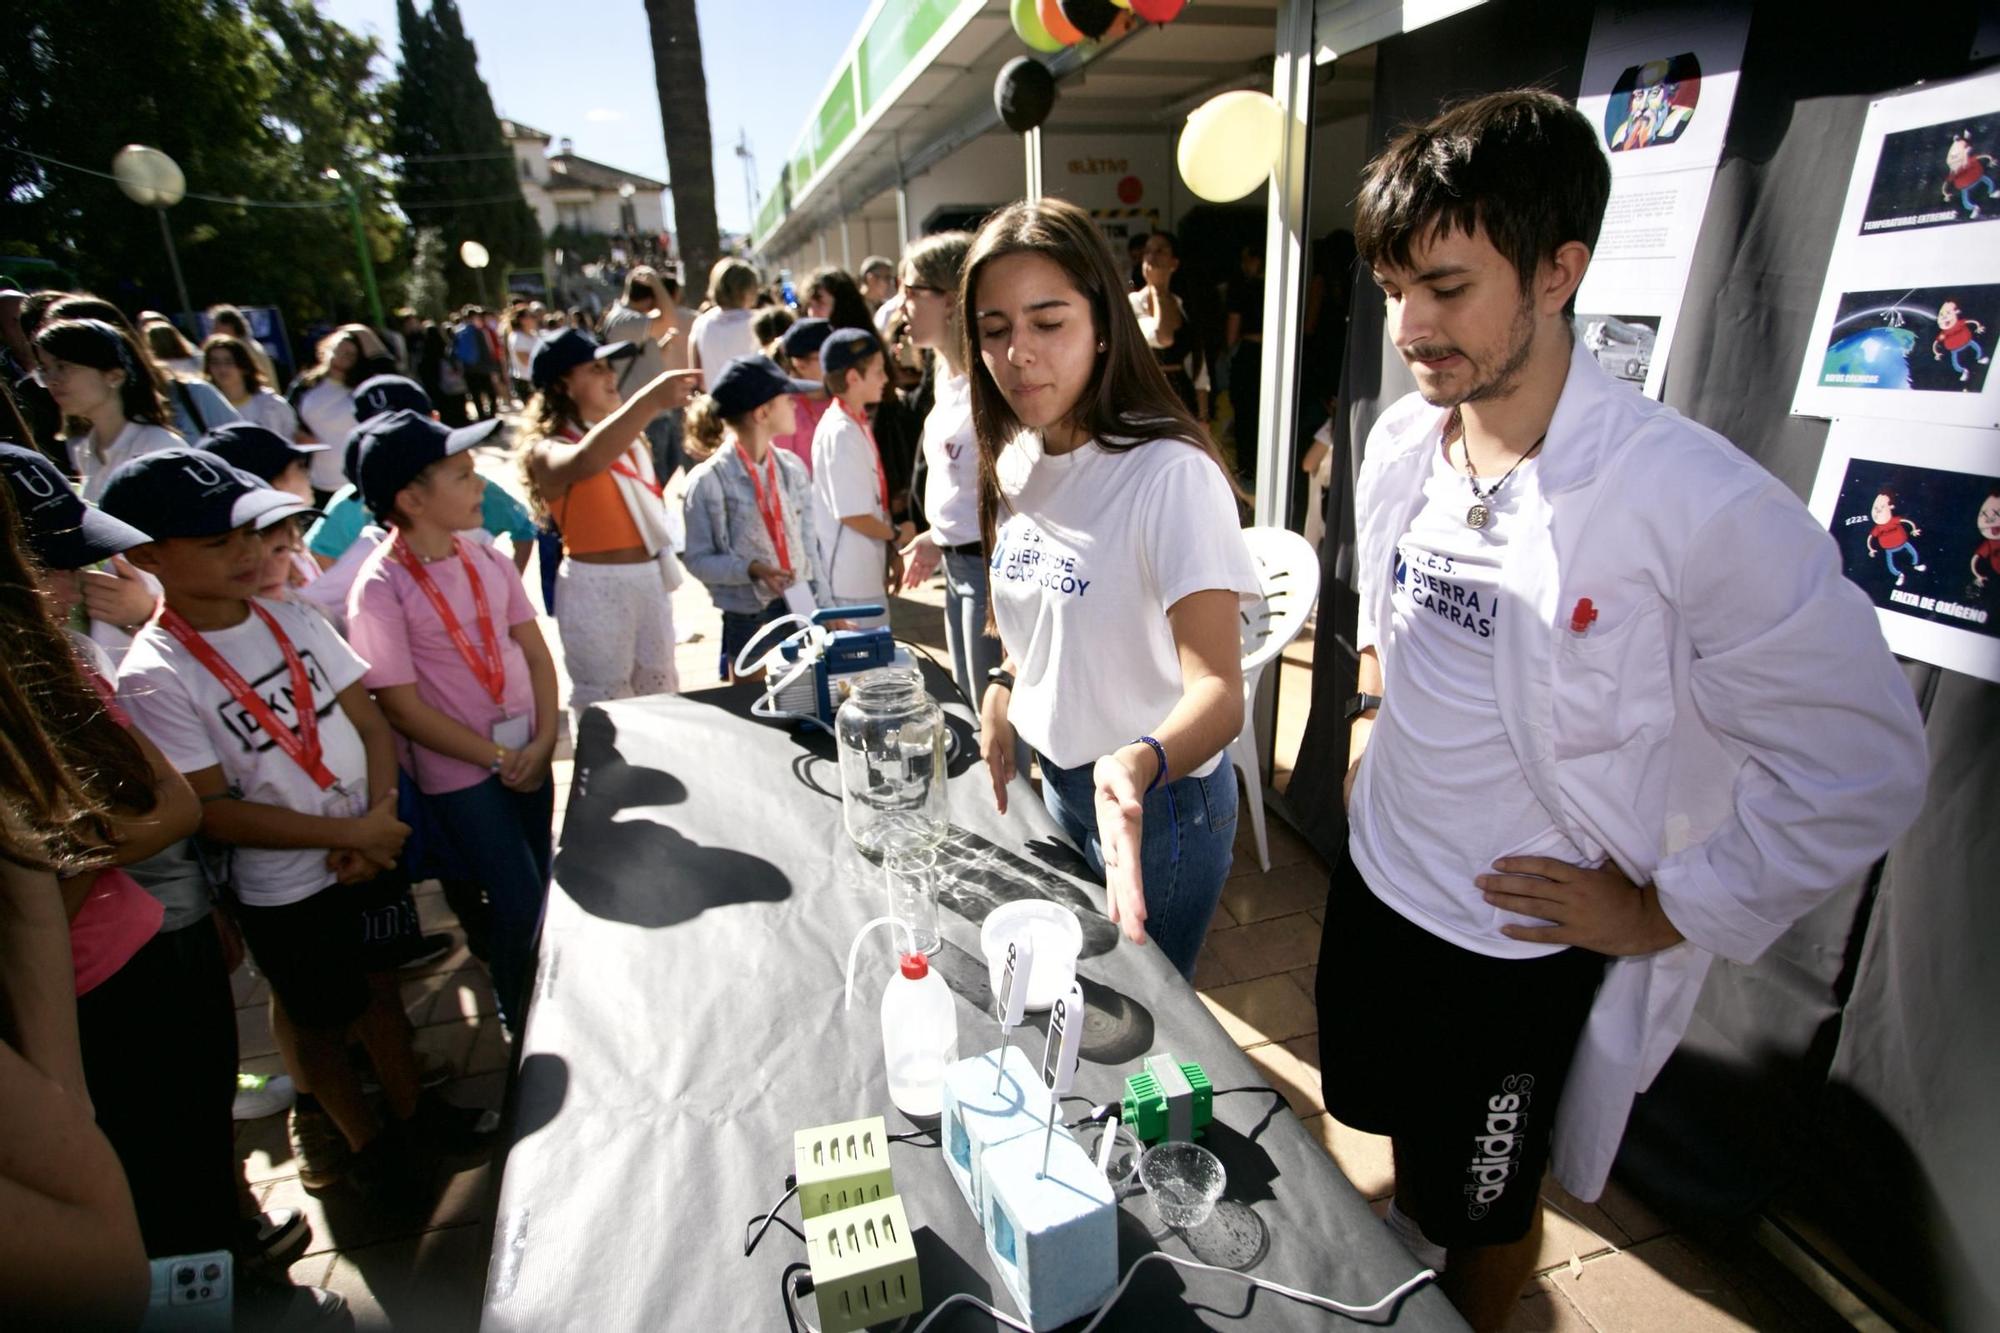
x,y
182,708
1440,793
1093,548
951,460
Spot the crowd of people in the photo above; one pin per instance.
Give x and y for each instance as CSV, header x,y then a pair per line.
x,y
271,669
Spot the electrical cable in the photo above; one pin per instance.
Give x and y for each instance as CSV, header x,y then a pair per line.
x,y
240,201
791,1188
1401,1290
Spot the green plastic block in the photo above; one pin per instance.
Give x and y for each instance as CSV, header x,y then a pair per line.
x,y
841,1166
864,1266
1152,1093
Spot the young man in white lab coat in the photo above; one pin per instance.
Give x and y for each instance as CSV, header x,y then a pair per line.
x,y
1619,711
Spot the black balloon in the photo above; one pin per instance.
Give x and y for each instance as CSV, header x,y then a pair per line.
x,y
1092,18
1024,94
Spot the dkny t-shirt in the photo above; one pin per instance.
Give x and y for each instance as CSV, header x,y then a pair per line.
x,y
1091,550
1440,794
197,724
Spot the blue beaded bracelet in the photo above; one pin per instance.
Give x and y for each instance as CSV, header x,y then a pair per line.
x,y
1173,808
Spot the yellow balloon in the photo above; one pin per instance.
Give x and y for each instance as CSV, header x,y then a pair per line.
x,y
1229,145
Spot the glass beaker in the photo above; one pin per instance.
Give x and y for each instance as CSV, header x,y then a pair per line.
x,y
892,762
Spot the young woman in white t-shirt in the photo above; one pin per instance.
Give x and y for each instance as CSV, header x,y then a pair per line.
x,y
723,332
931,271
107,394
325,398
524,335
228,364
1117,574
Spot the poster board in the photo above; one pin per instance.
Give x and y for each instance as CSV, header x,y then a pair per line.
x,y
1909,317
1916,515
1659,82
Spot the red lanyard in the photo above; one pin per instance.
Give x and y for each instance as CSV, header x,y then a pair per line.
x,y
874,452
301,746
772,510
623,468
487,666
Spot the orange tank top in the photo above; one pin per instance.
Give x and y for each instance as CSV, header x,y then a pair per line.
x,y
592,514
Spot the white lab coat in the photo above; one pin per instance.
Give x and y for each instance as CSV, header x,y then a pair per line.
x,y
1732,729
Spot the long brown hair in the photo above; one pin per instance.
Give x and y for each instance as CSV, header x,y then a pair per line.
x,y
65,764
1127,402
549,412
237,351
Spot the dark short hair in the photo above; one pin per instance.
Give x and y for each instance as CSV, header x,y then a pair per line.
x,y
1524,165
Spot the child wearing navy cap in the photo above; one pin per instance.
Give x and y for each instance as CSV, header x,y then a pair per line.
x,y
261,706
459,667
859,545
798,355
749,505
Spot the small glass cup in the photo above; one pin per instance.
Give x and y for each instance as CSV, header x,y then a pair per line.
x,y
911,879
1184,1180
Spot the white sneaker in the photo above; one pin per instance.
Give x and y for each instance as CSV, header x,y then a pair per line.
x,y
258,1095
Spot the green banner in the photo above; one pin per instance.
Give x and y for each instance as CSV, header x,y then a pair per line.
x,y
834,124
898,34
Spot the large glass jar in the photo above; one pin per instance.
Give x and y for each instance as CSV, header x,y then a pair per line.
x,y
892,763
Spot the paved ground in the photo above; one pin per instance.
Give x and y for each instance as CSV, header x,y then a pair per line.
x,y
1609,1267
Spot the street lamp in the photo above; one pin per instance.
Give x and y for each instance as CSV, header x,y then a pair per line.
x,y
473,255
149,177
360,245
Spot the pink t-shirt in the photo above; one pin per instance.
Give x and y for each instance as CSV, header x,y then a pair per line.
x,y
394,627
800,442
117,916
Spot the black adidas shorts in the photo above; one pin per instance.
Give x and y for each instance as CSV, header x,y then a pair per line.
x,y
1457,1056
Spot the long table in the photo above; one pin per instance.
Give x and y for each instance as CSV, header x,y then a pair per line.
x,y
687,1018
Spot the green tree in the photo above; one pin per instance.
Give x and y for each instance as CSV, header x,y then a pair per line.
x,y
458,174
254,99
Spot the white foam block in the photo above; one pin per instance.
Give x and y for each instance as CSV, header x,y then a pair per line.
x,y
1051,1233
975,1116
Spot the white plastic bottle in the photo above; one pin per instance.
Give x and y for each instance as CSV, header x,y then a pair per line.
x,y
919,1037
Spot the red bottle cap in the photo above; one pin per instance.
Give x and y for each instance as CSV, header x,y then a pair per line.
x,y
1580,619
915,966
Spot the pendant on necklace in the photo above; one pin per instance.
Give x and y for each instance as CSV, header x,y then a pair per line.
x,y
1478,516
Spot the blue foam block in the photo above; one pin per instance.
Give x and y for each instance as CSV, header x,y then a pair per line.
x,y
974,1117
1052,1236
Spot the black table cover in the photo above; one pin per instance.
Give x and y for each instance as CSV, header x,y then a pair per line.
x,y
687,1019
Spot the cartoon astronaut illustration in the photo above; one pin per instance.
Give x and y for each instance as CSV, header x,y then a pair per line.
x,y
1890,537
1966,171
1955,332
1989,549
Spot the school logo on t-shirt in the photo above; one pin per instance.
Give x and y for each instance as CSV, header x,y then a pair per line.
x,y
1023,557
275,688
1430,581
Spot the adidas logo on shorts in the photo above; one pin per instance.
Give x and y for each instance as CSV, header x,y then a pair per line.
x,y
1497,1152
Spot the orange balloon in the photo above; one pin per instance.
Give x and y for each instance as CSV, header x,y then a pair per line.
x,y
1060,28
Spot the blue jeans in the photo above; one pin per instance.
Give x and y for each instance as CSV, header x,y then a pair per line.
x,y
1890,553
739,627
973,650
1183,874
1978,354
1965,195
502,839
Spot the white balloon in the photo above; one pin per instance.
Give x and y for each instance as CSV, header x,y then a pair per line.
x,y
473,254
148,176
1230,144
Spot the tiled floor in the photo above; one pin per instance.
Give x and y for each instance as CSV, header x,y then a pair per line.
x,y
1608,1267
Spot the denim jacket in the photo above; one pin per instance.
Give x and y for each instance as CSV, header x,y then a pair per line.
x,y
725,532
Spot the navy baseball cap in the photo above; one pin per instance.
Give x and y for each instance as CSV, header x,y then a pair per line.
x,y
394,448
749,382
187,493
389,393
805,337
569,349
261,452
63,529
846,348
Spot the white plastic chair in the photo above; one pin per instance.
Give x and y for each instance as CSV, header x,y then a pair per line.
x,y
1288,573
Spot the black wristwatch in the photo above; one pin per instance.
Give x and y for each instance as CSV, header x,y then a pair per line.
x,y
1362,703
1000,676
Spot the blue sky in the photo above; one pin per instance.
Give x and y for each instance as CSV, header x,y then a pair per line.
x,y
588,76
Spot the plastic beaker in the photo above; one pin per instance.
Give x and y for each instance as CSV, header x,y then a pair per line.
x,y
911,878
1184,1181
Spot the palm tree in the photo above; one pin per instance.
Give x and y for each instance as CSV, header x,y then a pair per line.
x,y
684,118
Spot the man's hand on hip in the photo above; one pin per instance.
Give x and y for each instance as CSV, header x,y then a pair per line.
x,y
1599,910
